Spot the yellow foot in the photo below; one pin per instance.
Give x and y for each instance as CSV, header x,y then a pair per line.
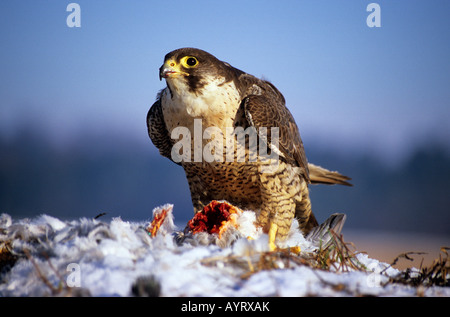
x,y
273,229
272,235
295,250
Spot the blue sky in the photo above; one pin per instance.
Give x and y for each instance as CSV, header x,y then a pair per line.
x,y
348,86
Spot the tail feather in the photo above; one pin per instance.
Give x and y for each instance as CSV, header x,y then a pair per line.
x,y
320,236
320,175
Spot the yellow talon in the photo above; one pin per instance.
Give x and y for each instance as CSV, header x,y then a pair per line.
x,y
272,235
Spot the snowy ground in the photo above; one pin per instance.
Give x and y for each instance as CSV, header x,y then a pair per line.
x,y
92,257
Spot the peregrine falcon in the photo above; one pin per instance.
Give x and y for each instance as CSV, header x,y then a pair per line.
x,y
204,92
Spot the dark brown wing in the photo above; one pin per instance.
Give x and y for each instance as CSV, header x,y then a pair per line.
x,y
157,130
267,109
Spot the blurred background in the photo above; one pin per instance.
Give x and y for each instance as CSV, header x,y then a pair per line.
x,y
373,103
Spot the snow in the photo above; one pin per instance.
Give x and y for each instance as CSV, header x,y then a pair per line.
x,y
92,257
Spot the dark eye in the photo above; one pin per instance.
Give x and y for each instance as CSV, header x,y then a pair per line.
x,y
191,61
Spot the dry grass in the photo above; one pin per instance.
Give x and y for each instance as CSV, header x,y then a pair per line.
x,y
61,288
7,258
437,274
338,256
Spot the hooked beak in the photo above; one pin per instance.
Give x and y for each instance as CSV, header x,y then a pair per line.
x,y
170,70
165,72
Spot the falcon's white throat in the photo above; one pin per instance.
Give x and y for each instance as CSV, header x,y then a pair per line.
x,y
215,98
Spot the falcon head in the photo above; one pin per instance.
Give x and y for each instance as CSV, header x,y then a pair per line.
x,y
191,69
